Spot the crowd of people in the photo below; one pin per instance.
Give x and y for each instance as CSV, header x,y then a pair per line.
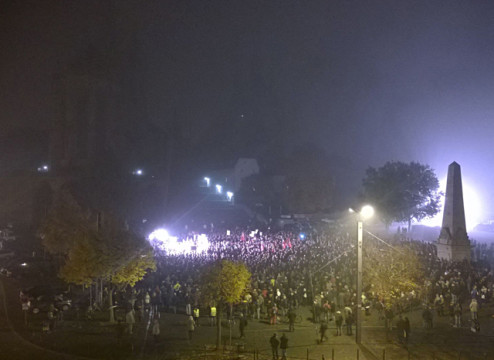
x,y
288,270
316,269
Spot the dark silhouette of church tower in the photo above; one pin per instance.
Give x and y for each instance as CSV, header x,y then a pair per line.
x,y
453,242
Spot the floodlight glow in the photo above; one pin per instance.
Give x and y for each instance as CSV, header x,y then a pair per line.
x,y
161,240
159,234
201,243
219,188
471,202
138,172
43,168
24,264
208,181
229,195
367,211
302,236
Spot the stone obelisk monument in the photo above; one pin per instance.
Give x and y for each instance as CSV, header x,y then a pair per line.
x,y
453,242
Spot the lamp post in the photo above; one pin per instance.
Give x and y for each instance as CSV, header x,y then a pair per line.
x,y
358,318
366,212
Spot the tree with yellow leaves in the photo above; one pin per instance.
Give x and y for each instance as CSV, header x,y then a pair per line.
x,y
392,273
225,282
111,254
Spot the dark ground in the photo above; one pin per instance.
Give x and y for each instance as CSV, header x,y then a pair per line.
x,y
96,339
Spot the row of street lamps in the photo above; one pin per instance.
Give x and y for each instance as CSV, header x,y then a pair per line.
x,y
219,189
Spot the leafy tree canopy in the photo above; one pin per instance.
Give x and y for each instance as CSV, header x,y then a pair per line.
x,y
225,282
392,273
83,264
110,253
134,269
402,192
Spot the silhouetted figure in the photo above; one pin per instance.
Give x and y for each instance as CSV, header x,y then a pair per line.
x,y
275,343
283,346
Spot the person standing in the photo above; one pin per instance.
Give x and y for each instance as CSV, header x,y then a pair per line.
x,y
427,317
242,323
474,307
156,299
212,315
147,301
291,320
275,343
156,330
283,346
348,321
406,329
191,326
274,314
196,315
458,311
322,330
339,323
188,307
326,310
259,304
130,320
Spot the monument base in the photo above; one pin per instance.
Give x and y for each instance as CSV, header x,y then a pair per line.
x,y
453,252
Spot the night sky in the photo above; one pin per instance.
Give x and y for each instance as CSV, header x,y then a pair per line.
x,y
369,81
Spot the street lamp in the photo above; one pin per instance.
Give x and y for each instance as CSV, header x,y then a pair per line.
x,y
43,168
208,181
219,188
366,212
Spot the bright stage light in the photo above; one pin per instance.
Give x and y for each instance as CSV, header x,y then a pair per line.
x,y
471,202
161,240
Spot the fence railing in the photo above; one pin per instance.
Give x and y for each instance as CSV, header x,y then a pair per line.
x,y
237,353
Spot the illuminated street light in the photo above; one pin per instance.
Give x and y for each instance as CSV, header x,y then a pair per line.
x,y
229,195
208,181
219,188
43,168
366,212
138,172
